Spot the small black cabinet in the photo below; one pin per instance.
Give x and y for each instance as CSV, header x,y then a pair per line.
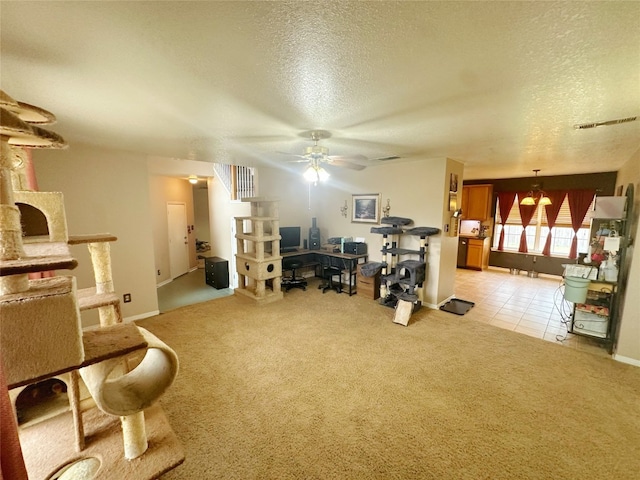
x,y
216,271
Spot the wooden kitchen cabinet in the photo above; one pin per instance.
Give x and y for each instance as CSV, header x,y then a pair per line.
x,y
476,202
478,253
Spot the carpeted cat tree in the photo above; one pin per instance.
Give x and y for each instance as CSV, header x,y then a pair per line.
x,y
401,279
118,429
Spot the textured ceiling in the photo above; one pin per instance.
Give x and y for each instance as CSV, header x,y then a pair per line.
x,y
496,85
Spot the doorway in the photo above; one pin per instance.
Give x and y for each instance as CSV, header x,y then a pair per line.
x,y
178,239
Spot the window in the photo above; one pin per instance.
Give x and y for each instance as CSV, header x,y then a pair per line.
x,y
538,230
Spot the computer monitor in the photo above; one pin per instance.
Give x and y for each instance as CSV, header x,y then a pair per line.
x,y
290,239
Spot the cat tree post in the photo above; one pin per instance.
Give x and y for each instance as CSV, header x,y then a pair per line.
x,y
134,435
101,260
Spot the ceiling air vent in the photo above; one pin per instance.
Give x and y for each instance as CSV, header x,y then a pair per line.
x,y
582,126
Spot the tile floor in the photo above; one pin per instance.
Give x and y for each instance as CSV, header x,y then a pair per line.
x,y
531,306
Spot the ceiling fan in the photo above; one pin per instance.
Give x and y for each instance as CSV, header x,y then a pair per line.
x,y
317,155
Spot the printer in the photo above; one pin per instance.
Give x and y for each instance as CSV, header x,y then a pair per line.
x,y
355,248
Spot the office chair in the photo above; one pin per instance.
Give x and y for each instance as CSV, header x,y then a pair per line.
x,y
330,271
293,282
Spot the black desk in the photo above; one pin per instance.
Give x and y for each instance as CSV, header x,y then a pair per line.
x,y
346,261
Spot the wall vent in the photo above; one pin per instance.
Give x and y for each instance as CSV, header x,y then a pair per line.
x,y
582,126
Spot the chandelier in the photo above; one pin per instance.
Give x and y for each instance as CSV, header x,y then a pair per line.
x,y
536,195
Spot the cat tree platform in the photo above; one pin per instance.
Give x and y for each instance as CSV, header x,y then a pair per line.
x,y
48,446
37,264
100,344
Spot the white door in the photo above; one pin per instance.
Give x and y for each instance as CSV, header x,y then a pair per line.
x,y
178,239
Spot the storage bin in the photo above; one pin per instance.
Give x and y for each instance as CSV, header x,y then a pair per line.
x,y
575,289
590,324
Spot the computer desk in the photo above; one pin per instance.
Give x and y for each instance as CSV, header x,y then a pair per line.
x,y
347,261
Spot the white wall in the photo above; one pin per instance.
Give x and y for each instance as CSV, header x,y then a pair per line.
x,y
449,244
201,213
222,212
106,191
628,348
297,203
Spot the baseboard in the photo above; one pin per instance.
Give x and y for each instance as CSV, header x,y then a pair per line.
x,y
435,306
630,361
161,284
141,316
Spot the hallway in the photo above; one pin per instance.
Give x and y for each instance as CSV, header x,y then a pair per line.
x,y
188,289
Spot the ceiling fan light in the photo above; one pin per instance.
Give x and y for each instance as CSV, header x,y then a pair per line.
x,y
323,175
310,174
315,174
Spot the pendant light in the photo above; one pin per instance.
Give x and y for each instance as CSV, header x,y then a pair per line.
x,y
536,195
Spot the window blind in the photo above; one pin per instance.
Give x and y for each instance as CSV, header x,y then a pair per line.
x,y
563,220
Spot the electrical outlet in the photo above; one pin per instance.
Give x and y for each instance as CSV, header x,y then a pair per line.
x,y
126,297
158,272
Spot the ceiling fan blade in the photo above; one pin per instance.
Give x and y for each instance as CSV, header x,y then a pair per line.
x,y
261,138
386,159
287,154
349,158
338,162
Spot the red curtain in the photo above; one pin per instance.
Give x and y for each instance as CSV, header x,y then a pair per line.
x,y
579,202
556,197
505,202
526,213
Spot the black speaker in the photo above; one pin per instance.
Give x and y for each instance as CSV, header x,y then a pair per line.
x,y
306,245
314,236
314,239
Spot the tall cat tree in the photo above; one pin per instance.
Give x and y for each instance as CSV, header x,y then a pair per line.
x,y
258,260
41,336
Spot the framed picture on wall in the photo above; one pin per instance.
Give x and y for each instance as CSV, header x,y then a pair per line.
x,y
453,182
365,208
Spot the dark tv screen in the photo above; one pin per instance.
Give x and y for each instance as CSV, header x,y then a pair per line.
x,y
290,238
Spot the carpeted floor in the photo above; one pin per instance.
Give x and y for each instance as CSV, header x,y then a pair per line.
x,y
328,387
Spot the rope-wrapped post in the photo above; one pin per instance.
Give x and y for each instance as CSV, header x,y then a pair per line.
x,y
101,260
